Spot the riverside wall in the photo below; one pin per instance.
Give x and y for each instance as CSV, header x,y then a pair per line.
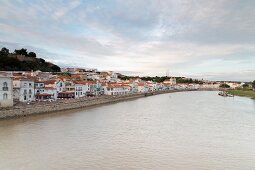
x,y
61,105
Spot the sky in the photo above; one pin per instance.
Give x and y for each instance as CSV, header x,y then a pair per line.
x,y
207,39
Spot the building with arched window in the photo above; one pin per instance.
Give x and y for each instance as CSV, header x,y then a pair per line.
x,y
6,91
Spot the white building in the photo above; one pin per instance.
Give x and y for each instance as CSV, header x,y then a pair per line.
x,y
171,81
93,76
81,89
56,83
233,85
142,88
24,90
43,93
6,92
115,89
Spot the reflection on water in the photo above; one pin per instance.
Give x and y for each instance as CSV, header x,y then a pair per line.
x,y
189,130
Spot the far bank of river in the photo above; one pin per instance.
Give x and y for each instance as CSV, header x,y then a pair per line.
x,y
62,105
243,93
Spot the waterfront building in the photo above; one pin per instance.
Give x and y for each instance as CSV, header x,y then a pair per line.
x,y
234,85
56,83
151,86
94,88
43,93
99,90
47,94
133,87
210,85
81,88
24,90
6,91
171,81
116,89
142,88
66,94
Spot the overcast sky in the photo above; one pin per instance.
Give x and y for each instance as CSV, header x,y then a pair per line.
x,y
211,39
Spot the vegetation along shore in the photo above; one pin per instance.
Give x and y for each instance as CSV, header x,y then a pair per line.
x,y
245,93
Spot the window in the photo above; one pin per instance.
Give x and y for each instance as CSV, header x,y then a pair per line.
x,y
5,86
5,96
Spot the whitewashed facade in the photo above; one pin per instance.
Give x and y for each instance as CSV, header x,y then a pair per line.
x,y
81,89
43,93
116,90
58,84
6,92
27,91
24,90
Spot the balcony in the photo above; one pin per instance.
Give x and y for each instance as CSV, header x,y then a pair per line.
x,y
5,88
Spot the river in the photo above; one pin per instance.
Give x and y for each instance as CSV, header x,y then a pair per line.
x,y
185,130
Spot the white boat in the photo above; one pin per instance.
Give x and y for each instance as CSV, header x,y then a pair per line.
x,y
225,94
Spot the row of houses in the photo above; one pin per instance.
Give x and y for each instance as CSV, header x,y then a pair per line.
x,y
35,86
31,86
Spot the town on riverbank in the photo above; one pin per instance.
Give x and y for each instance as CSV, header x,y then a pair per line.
x,y
50,83
19,88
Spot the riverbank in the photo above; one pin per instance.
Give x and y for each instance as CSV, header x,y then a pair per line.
x,y
62,105
243,93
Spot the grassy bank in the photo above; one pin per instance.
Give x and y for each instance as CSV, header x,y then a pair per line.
x,y
245,93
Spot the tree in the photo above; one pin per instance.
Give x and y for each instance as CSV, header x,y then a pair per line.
x,y
246,86
4,51
253,84
224,85
41,60
22,51
56,68
32,54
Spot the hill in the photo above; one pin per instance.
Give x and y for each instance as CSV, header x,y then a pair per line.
x,y
21,60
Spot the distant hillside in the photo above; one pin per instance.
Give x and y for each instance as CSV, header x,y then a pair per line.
x,y
21,60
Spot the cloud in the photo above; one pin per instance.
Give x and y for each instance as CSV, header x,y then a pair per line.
x,y
189,37
63,10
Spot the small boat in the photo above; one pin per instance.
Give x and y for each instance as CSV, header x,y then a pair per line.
x,y
225,94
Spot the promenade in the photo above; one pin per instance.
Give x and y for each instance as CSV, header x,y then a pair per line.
x,y
68,104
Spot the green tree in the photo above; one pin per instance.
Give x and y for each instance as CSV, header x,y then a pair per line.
x,y
246,86
8,63
4,51
32,54
56,68
224,85
41,60
253,84
22,51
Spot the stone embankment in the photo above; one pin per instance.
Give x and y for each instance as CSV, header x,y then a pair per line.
x,y
61,105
